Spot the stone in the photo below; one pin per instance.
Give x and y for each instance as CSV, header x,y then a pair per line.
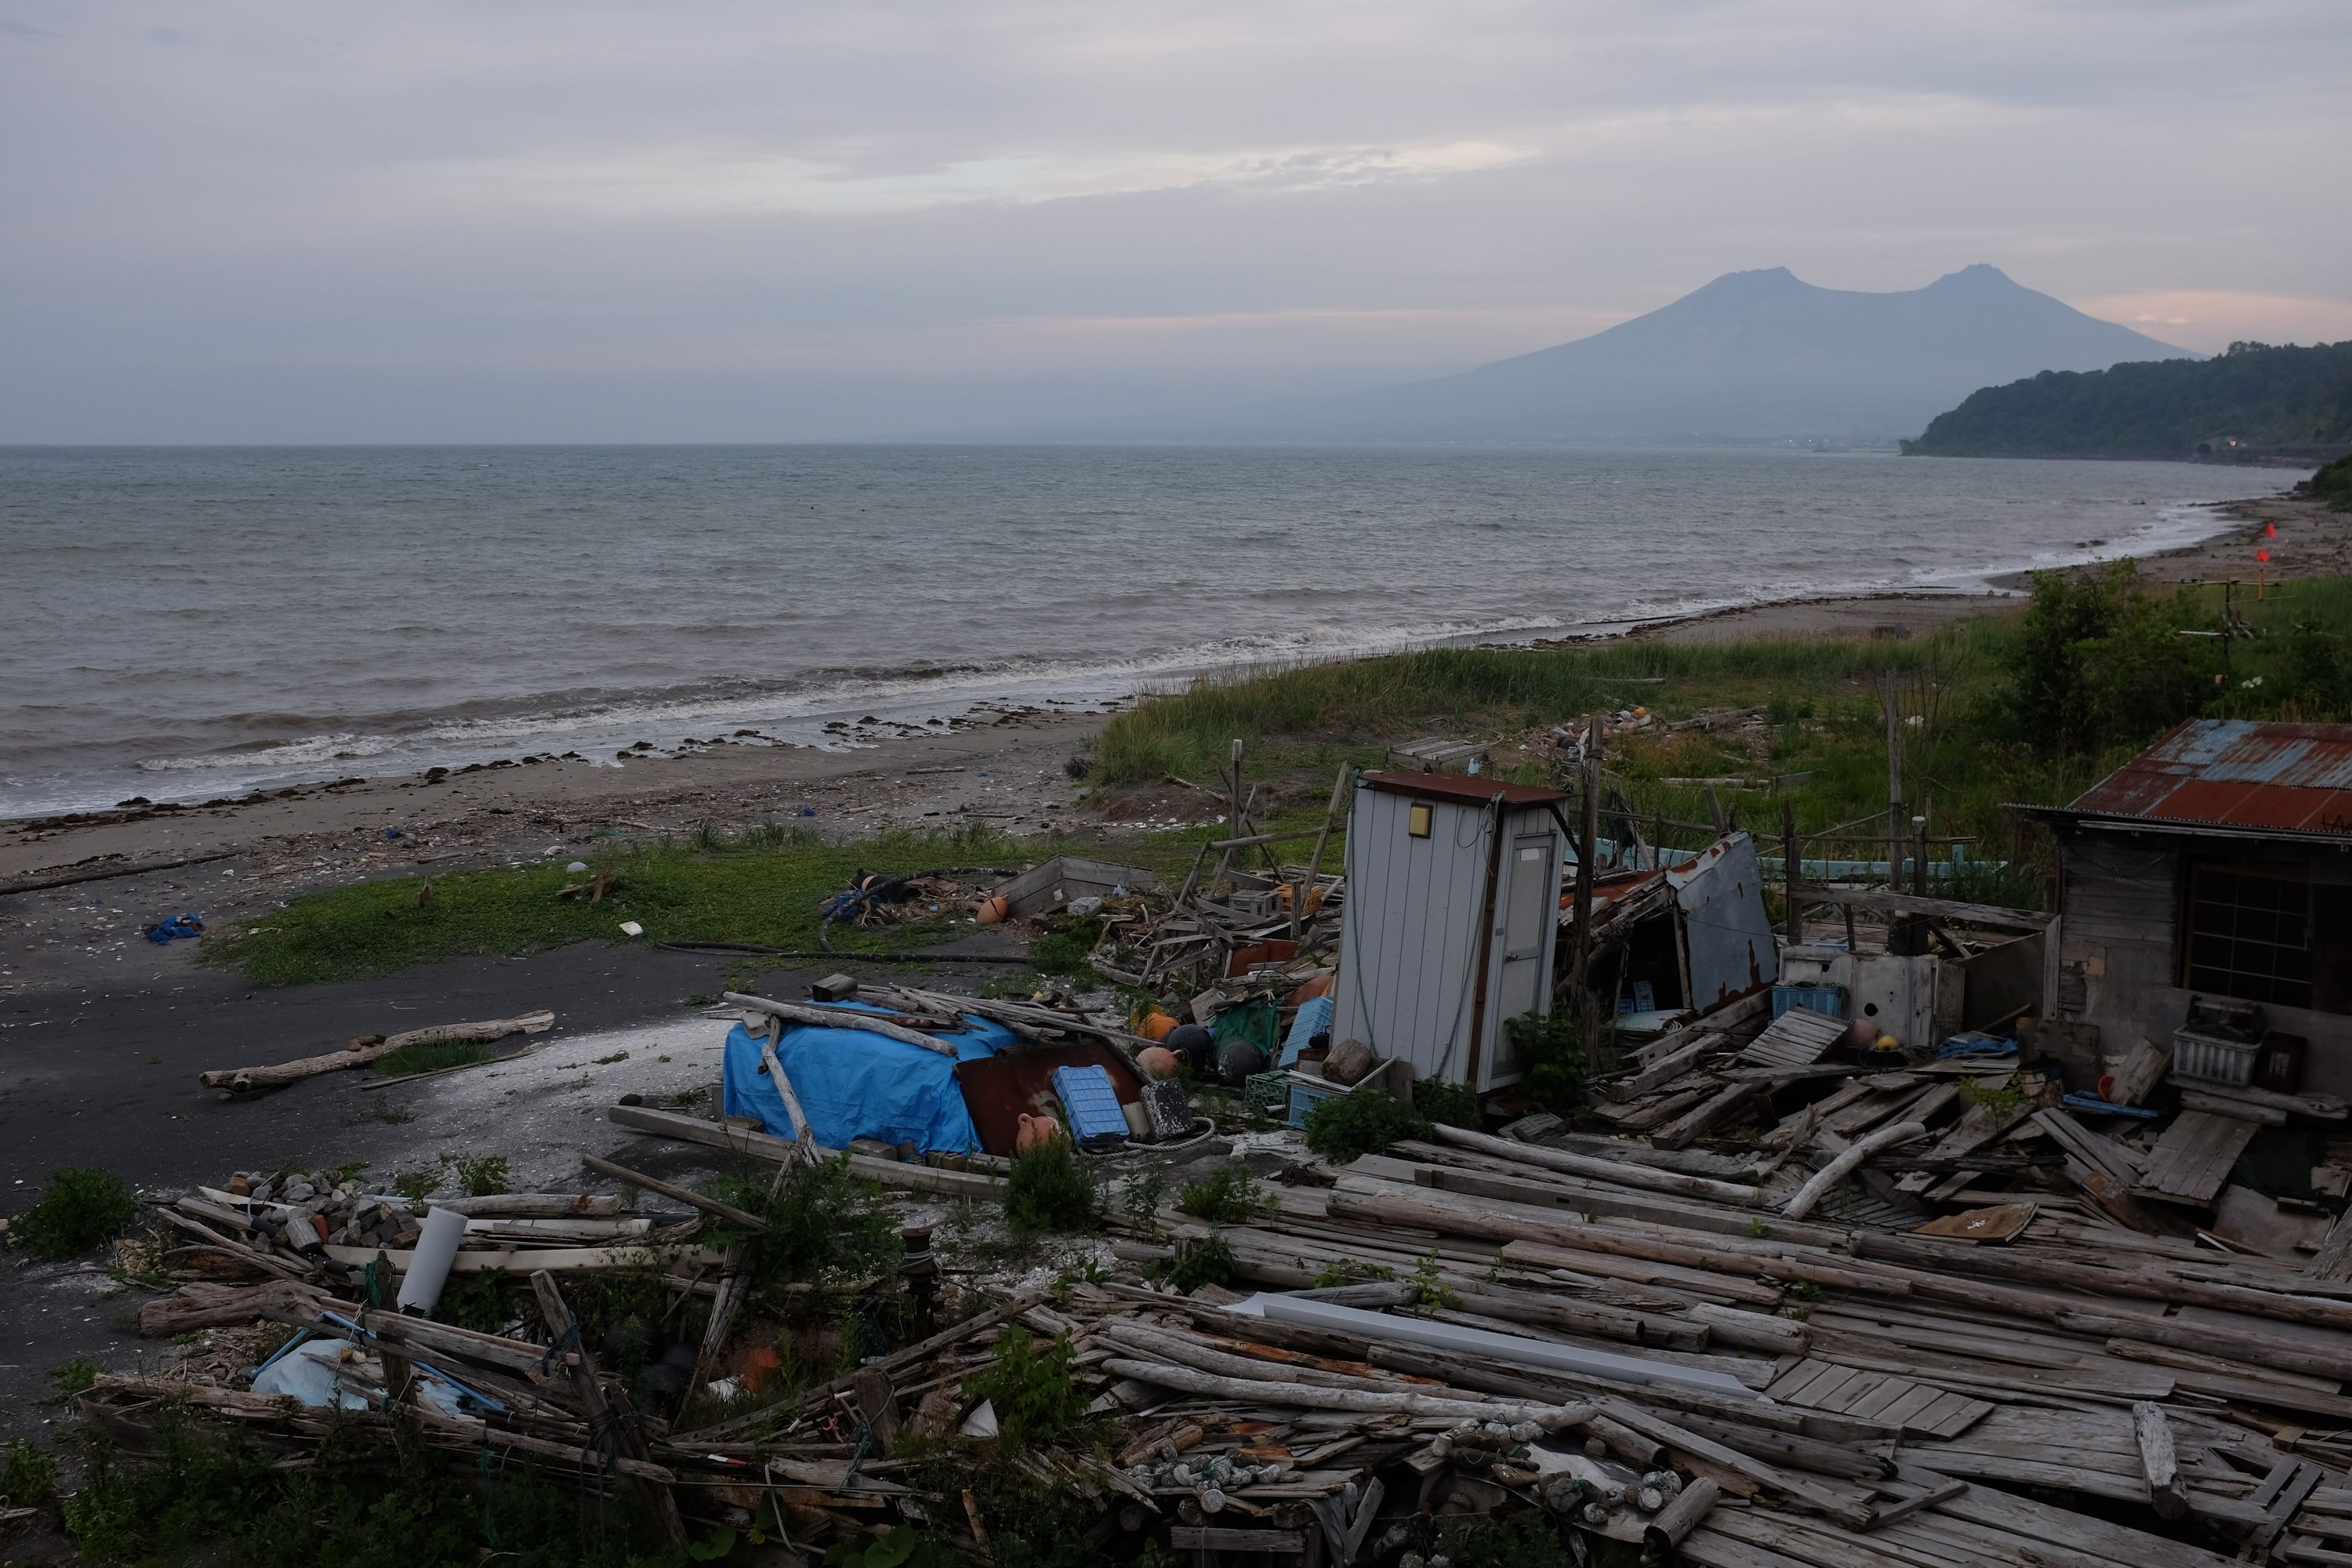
x,y
1348,1061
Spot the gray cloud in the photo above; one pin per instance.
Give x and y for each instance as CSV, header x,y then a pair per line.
x,y
534,221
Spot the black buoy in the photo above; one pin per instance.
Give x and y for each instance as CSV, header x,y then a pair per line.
x,y
1194,1047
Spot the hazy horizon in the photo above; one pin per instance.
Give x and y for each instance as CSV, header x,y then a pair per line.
x,y
444,223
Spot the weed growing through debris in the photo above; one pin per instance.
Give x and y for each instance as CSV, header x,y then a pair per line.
x,y
823,1222
1347,1271
482,1301
1428,1289
1451,1104
1205,1260
418,1185
1226,1195
1141,1195
68,1378
1051,1190
2006,1103
1036,1400
1064,950
28,1476
481,1175
81,1207
1362,1121
1551,1049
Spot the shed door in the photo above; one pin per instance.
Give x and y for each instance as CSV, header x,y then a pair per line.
x,y
1530,916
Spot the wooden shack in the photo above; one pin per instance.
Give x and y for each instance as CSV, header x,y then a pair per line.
x,y
1453,908
2216,865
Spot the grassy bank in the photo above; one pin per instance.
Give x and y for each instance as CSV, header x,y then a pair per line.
x,y
764,889
2029,704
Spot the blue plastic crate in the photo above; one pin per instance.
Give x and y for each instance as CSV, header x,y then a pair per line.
x,y
1829,1000
1087,1094
1306,1095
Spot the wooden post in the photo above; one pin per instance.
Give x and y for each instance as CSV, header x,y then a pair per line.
x,y
1589,825
1919,860
1315,861
1791,862
583,1367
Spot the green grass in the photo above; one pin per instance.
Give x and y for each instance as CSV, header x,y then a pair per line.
x,y
761,889
2013,708
80,1208
1051,1189
1982,744
431,1056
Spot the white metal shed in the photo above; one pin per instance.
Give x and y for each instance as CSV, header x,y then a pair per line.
x,y
1452,919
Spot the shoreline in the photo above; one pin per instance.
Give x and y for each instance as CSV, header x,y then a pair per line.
x,y
999,766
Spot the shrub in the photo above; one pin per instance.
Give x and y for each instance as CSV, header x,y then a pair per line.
x,y
1551,1049
1453,1104
823,1221
28,1476
1209,1260
1050,1189
1141,1194
1363,1122
80,1208
1035,1400
1227,1195
482,1175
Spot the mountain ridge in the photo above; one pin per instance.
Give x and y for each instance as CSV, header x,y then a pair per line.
x,y
1759,354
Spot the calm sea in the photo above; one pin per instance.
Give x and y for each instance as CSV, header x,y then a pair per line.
x,y
185,622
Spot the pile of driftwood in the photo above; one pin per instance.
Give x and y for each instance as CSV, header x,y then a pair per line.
x,y
1244,913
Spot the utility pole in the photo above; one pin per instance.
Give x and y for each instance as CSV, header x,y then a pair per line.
x,y
1587,851
1898,935
1792,862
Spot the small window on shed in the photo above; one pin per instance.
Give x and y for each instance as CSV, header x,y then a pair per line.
x,y
1417,820
2250,931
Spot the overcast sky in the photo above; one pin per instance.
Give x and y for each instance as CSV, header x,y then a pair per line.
x,y
510,220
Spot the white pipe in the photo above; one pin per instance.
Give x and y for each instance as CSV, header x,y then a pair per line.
x,y
428,1266
1356,1324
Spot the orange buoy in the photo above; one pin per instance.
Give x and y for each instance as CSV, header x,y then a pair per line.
x,y
991,910
1037,1132
1155,1026
1157,1061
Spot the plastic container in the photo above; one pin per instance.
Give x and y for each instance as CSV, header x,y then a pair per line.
x,y
1827,1000
1266,1093
1093,1104
2213,1058
1307,1093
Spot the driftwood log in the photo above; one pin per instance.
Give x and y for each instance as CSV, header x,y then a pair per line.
x,y
1623,1175
247,1079
839,1018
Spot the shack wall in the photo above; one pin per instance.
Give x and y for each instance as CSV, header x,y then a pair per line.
x,y
2120,953
1410,938
1410,931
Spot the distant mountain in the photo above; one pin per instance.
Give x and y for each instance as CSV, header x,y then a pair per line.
x,y
1752,356
2254,401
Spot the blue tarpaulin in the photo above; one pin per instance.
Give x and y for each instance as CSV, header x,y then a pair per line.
x,y
853,1083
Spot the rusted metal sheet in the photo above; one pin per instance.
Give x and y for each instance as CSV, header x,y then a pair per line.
x,y
1473,789
999,1089
1726,934
2236,773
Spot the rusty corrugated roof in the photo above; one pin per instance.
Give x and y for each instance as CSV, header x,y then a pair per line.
x,y
1473,789
2235,773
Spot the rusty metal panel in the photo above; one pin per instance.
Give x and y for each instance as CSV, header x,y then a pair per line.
x,y
1726,931
999,1089
2236,773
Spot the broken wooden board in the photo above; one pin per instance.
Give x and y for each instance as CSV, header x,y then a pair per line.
x,y
1798,1037
2194,1158
2002,1222
1919,1410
